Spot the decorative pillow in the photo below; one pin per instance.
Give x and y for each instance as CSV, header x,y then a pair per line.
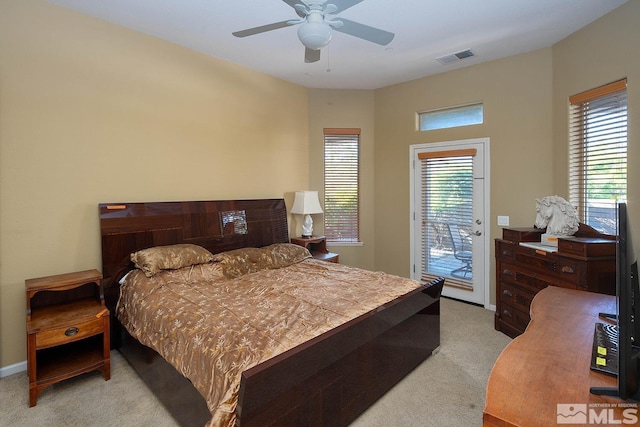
x,y
287,253
172,257
239,262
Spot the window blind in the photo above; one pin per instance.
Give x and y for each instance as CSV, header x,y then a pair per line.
x,y
446,198
341,185
598,154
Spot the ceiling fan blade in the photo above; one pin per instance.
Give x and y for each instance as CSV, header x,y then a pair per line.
x,y
293,3
343,4
262,28
365,32
311,55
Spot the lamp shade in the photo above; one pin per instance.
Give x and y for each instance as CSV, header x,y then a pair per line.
x,y
306,203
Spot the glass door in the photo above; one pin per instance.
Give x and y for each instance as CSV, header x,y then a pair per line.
x,y
449,231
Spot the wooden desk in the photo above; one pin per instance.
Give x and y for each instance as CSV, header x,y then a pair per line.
x,y
549,364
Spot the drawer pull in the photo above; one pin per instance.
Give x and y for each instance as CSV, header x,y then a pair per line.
x,y
507,253
507,292
507,272
71,331
507,313
567,269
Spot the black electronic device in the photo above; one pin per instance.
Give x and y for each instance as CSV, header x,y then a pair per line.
x,y
604,355
628,303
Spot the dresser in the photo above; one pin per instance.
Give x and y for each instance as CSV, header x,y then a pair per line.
x,y
585,261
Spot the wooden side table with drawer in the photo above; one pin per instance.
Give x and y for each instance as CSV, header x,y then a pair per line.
x,y
318,248
67,329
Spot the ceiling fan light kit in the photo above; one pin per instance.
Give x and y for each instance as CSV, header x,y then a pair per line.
x,y
315,31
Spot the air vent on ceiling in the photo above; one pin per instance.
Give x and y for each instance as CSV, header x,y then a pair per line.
x,y
454,57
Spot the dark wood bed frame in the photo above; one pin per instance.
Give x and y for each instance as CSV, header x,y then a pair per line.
x,y
327,381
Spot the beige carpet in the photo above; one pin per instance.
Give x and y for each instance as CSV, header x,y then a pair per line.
x,y
447,389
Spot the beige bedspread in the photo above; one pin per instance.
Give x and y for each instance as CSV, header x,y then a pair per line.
x,y
211,328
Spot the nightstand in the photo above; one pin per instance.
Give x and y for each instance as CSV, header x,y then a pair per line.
x,y
318,248
67,329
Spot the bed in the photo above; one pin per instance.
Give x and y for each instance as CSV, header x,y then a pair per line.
x,y
325,378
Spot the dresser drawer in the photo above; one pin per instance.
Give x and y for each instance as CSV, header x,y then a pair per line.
x,y
587,247
505,251
69,333
533,281
532,259
522,234
523,278
516,297
516,318
506,272
568,271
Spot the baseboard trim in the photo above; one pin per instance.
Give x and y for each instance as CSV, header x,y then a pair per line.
x,y
13,369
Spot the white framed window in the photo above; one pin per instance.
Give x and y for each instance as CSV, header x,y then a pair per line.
x,y
465,115
598,154
341,185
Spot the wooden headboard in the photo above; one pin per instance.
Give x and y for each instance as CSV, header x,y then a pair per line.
x,y
217,225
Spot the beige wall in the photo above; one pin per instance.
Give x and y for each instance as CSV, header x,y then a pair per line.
x,y
603,52
346,109
516,93
91,112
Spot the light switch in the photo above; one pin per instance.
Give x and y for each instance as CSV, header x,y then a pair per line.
x,y
503,221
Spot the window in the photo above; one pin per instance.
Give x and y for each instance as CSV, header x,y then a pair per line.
x,y
341,192
451,117
598,154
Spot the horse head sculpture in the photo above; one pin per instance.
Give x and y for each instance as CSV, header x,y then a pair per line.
x,y
557,215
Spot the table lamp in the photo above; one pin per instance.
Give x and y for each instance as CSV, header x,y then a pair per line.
x,y
306,203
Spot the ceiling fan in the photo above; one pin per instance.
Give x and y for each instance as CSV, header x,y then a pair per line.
x,y
316,27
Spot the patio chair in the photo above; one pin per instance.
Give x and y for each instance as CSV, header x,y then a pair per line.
x,y
461,242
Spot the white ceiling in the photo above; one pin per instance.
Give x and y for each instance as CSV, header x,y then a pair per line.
x,y
424,30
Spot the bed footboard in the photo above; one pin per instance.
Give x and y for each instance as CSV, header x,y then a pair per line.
x,y
332,379
177,394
